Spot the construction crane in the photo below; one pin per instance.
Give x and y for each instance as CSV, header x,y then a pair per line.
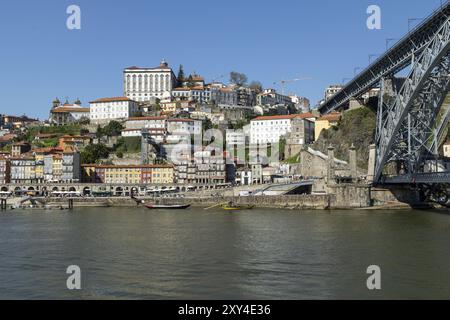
x,y
282,83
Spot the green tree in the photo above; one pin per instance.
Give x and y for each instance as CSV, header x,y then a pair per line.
x,y
180,76
207,124
237,78
112,129
256,86
93,153
190,82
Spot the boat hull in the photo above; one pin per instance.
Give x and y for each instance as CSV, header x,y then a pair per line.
x,y
169,207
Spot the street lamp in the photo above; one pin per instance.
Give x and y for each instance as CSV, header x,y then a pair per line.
x,y
345,79
389,40
372,56
412,20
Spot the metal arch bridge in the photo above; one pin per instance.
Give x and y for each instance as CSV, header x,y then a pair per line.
x,y
413,112
392,61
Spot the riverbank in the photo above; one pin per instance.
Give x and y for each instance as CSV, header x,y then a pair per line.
x,y
288,202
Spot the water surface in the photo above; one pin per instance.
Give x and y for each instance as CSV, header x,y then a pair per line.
x,y
135,253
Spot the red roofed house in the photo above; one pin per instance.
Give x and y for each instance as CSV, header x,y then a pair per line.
x,y
68,113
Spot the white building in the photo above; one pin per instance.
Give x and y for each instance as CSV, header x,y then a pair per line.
x,y
184,126
141,84
269,129
146,122
106,109
63,114
238,137
447,149
332,90
270,98
197,94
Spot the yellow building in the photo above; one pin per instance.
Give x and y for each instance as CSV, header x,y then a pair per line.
x,y
128,174
57,167
163,174
122,174
39,155
325,123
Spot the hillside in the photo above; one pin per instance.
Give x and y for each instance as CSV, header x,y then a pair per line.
x,y
356,127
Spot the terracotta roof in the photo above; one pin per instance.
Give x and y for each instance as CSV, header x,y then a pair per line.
x,y
70,110
147,68
21,143
7,137
182,120
334,116
189,89
285,117
47,150
114,99
104,166
46,135
74,137
146,118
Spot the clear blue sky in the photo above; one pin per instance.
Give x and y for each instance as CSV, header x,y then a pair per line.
x,y
41,59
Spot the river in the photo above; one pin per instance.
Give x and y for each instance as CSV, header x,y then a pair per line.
x,y
135,253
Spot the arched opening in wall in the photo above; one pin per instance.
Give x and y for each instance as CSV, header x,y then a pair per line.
x,y
55,189
63,189
119,191
72,189
134,191
4,189
18,191
30,189
86,191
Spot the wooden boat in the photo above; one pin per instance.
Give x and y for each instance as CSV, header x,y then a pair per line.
x,y
236,208
166,206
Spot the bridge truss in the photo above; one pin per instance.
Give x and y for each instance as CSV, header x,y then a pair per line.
x,y
410,122
394,60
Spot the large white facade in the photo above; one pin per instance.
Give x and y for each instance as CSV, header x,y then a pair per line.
x,y
107,109
184,126
270,129
141,84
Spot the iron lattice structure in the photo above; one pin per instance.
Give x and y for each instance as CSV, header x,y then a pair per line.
x,y
394,60
408,128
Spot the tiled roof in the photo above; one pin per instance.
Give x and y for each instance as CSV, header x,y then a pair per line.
x,y
181,120
146,118
47,150
70,110
104,166
285,117
113,99
334,116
